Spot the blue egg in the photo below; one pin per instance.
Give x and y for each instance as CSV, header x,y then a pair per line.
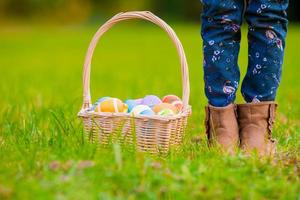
x,y
147,112
131,103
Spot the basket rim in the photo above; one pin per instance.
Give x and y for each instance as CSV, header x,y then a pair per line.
x,y
87,114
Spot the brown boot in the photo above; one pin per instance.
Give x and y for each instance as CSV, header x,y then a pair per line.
x,y
256,121
222,127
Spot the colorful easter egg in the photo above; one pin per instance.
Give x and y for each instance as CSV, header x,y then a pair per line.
x,y
148,112
112,105
131,103
151,101
170,98
142,110
97,103
102,99
166,112
139,101
178,105
174,100
163,106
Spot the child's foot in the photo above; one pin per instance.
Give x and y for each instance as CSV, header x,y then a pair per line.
x,y
222,127
256,122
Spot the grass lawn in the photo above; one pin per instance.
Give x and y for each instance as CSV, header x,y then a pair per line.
x,y
42,148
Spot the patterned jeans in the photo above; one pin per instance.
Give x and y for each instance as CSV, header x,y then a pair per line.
x,y
221,22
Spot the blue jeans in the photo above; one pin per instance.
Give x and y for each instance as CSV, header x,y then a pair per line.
x,y
221,33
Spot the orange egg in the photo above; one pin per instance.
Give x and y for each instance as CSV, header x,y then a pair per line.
x,y
112,105
163,106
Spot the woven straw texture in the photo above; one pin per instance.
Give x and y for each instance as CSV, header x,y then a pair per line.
x,y
154,134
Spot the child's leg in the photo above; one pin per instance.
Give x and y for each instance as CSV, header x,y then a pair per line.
x,y
221,20
267,30
267,21
221,35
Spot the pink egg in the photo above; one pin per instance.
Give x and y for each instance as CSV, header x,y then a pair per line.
x,y
174,100
170,98
178,104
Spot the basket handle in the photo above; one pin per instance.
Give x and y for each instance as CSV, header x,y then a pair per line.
x,y
146,15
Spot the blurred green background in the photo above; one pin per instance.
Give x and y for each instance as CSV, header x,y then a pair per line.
x,y
77,11
42,49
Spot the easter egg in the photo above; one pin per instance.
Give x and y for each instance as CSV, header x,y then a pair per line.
x,y
174,100
151,100
163,106
148,112
139,101
112,105
170,98
131,103
166,112
101,99
97,103
178,105
142,110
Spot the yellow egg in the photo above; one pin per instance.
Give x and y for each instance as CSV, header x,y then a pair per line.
x,y
112,105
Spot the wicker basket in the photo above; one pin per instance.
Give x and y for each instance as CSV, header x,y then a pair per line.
x,y
149,133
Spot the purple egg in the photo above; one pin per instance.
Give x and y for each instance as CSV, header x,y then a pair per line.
x,y
151,100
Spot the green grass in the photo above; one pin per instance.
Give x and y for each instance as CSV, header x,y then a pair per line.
x,y
42,143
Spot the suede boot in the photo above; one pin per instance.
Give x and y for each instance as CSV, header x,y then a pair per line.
x,y
222,127
256,122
